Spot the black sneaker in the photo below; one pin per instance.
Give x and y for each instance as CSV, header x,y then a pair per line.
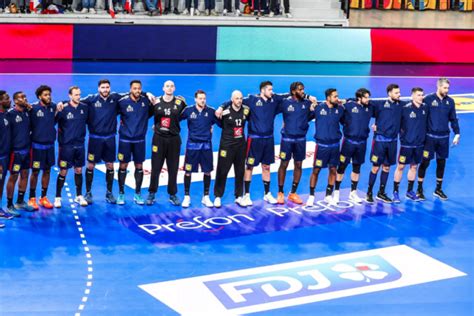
x,y
176,11
440,194
369,198
5,215
420,196
175,200
382,196
166,11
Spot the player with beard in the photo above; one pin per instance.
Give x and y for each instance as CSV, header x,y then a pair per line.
x,y
19,120
5,143
43,136
328,118
441,112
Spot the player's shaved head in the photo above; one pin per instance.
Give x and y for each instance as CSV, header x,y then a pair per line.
x,y
169,87
237,98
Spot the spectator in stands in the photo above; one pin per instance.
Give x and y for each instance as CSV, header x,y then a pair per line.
x,y
117,6
22,6
192,11
88,6
228,7
67,4
151,7
259,7
168,7
210,7
4,6
275,7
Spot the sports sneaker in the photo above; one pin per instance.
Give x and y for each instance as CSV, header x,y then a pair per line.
x,y
272,14
176,11
57,202
369,198
138,199
440,195
174,199
92,11
24,206
328,199
84,10
411,195
214,13
240,201
310,200
237,12
396,197
88,197
246,200
81,200
353,197
289,16
5,215
33,204
281,198
186,201
217,202
196,12
295,198
121,199
150,199
110,198
44,202
382,196
207,12
206,201
335,197
269,198
186,12
12,211
224,12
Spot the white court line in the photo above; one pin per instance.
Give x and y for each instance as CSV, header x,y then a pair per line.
x,y
222,75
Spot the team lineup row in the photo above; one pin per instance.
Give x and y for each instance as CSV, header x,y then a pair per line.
x,y
28,135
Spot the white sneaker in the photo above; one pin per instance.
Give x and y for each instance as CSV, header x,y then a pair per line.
x,y
272,14
289,16
214,13
186,201
328,199
353,197
80,200
186,12
335,197
7,10
310,200
217,202
196,12
207,12
240,201
92,11
224,12
237,12
84,10
269,198
1,10
246,200
57,202
206,201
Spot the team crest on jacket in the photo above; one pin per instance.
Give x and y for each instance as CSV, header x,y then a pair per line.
x,y
259,103
129,108
355,110
386,104
40,113
18,119
323,112
97,104
434,103
193,115
291,108
412,114
246,112
70,116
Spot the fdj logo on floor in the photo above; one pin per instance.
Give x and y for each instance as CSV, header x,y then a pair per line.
x,y
302,281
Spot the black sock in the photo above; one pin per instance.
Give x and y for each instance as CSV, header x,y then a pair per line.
x,y
294,186
410,185
280,189
354,185
420,186
9,202
372,178
383,181
439,184
329,189
21,197
207,183
247,186
89,177
109,179
311,191
138,180
396,186
32,193
122,174
78,182
44,192
187,184
59,185
338,185
266,186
